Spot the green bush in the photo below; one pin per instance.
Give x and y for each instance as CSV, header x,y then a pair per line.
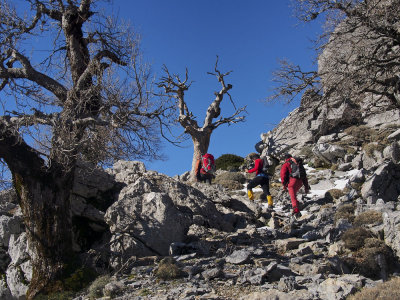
x,y
229,162
97,286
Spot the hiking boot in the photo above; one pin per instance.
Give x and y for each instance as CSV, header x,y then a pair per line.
x,y
250,194
295,211
270,202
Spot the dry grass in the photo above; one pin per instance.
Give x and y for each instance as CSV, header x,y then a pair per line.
x,y
345,212
230,185
368,217
336,193
389,290
231,176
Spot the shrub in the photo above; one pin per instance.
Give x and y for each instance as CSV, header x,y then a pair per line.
x,y
386,290
368,217
231,176
229,162
79,279
354,238
168,269
364,260
230,185
336,193
345,212
96,288
372,147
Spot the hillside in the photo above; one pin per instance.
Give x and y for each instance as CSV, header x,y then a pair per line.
x,y
140,234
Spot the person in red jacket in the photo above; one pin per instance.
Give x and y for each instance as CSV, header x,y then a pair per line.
x,y
260,179
293,184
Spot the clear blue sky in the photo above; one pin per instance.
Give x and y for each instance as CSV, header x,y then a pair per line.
x,y
248,36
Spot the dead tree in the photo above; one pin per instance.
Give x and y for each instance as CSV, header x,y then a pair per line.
x,y
175,88
65,104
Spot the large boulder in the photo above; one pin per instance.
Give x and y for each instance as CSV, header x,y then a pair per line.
x,y
391,226
153,211
384,183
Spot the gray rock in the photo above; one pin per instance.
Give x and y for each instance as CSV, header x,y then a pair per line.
x,y
328,152
239,257
212,273
16,282
384,183
8,226
392,152
5,293
341,287
395,136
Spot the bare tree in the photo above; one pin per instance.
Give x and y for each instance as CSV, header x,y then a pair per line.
x,y
86,96
360,49
174,87
291,81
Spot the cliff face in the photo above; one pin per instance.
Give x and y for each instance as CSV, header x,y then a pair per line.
x,y
356,93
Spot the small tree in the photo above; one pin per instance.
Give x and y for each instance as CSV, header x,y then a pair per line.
x,y
175,88
65,104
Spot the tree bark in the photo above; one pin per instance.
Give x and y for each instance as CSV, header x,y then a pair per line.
x,y
201,142
43,193
46,208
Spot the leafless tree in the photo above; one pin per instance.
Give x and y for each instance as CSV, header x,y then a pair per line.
x,y
73,86
175,88
360,49
291,81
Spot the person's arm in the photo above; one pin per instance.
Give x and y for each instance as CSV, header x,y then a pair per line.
x,y
256,166
285,174
306,185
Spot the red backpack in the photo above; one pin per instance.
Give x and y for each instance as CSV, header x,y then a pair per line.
x,y
208,164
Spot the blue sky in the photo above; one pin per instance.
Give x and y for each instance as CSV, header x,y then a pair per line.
x,y
248,36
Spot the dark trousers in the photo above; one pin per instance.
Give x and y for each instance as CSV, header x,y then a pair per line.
x,y
264,182
204,177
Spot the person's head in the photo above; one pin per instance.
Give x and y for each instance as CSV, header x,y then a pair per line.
x,y
255,156
287,156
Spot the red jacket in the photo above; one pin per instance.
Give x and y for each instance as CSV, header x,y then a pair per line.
x,y
258,165
285,175
285,172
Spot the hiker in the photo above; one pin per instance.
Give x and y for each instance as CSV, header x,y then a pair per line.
x,y
205,168
293,177
261,179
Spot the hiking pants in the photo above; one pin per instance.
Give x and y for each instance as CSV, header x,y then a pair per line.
x,y
264,182
204,177
293,187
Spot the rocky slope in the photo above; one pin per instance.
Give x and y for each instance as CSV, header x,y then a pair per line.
x,y
164,239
